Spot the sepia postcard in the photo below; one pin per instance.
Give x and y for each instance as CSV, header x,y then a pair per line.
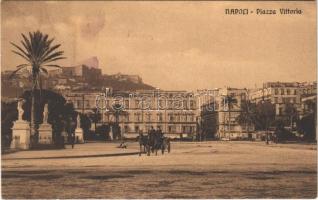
x,y
159,99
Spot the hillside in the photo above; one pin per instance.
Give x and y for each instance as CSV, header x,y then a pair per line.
x,y
11,89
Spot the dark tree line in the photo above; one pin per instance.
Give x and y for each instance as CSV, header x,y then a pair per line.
x,y
62,115
263,117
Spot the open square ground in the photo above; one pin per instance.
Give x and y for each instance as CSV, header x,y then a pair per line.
x,y
192,170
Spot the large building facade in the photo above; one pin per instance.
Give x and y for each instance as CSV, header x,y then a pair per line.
x,y
282,93
174,112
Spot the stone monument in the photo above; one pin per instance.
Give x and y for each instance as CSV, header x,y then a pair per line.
x,y
45,129
20,130
111,133
79,135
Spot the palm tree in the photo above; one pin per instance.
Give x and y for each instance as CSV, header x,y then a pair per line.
x,y
117,110
96,117
229,100
38,52
292,113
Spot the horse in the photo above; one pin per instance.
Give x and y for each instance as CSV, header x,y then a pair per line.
x,y
143,141
165,145
156,141
151,142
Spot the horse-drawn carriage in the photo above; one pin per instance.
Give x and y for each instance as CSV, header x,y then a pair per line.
x,y
152,142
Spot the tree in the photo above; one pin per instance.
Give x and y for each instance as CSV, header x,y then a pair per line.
x,y
38,52
264,116
247,114
117,110
292,113
308,123
60,112
307,126
281,133
85,125
9,113
96,117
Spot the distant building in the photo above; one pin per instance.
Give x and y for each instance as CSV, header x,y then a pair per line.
x,y
283,93
308,104
83,71
87,69
55,72
126,77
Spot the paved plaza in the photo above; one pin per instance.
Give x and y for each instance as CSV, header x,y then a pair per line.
x,y
192,170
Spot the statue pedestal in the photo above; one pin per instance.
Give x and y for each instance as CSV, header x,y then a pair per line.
x,y
111,134
20,135
64,135
45,134
79,135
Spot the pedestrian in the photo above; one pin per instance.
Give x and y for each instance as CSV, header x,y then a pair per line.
x,y
73,140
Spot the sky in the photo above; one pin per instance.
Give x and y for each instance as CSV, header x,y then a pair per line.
x,y
173,45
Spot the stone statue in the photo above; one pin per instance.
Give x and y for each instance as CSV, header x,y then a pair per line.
x,y
78,125
45,114
20,109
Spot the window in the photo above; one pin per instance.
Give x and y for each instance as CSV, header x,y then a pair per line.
x,y
276,91
137,104
136,128
148,116
170,104
126,104
178,104
127,118
169,129
185,104
161,104
171,117
79,103
280,111
137,117
282,91
126,128
160,117
184,118
192,104
191,118
177,118
288,91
